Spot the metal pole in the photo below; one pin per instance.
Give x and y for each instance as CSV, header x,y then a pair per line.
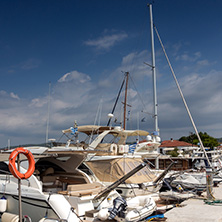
x,y
209,182
19,192
153,71
47,125
125,99
114,107
156,129
111,187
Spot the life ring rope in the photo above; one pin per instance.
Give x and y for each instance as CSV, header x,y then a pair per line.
x,y
12,165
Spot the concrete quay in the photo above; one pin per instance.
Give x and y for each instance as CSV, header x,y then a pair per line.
x,y
195,210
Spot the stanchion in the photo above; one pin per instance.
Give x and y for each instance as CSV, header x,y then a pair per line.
x,y
209,183
19,191
15,171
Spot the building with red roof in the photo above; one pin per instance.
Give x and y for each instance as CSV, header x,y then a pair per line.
x,y
169,145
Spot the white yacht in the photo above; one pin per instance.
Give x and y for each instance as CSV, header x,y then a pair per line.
x,y
58,191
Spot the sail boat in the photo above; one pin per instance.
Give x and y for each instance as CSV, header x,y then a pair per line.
x,y
177,84
120,157
110,115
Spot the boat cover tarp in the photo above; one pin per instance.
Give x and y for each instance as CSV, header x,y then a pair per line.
x,y
112,170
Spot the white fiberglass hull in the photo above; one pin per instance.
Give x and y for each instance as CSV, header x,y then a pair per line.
x,y
35,203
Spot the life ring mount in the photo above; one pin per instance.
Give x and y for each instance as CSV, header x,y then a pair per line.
x,y
12,166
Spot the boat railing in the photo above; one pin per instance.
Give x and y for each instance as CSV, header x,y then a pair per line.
x,y
6,174
8,178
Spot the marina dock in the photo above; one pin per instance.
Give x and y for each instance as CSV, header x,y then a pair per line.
x,y
194,210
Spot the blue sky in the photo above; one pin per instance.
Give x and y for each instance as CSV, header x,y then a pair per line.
x,y
84,47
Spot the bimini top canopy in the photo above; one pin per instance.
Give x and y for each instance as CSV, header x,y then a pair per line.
x,y
112,170
89,129
134,133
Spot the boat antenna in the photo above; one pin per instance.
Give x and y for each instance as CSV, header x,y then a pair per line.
x,y
47,125
184,101
98,114
153,66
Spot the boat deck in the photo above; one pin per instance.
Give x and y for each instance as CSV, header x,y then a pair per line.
x,y
194,210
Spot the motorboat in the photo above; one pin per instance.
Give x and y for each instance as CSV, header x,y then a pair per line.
x,y
107,140
188,181
135,209
35,202
43,194
110,168
58,190
110,156
176,196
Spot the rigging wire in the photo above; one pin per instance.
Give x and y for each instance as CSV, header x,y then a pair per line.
x,y
140,97
181,94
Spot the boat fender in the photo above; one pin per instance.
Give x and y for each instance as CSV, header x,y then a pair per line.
x,y
12,166
113,148
103,214
3,204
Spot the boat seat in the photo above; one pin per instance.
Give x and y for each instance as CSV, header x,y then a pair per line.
x,y
48,179
9,217
48,171
72,179
50,183
58,182
83,189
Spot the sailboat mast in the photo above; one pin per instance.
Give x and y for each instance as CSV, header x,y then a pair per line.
x,y
114,107
153,72
125,99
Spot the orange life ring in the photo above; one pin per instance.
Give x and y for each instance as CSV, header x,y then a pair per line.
x,y
12,166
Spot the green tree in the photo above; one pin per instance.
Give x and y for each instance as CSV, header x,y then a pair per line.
x,y
173,153
208,141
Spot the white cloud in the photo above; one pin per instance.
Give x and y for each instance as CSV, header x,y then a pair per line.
x,y
75,76
202,94
106,41
176,47
14,96
59,104
30,64
134,63
8,99
203,62
2,93
38,102
76,97
188,57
